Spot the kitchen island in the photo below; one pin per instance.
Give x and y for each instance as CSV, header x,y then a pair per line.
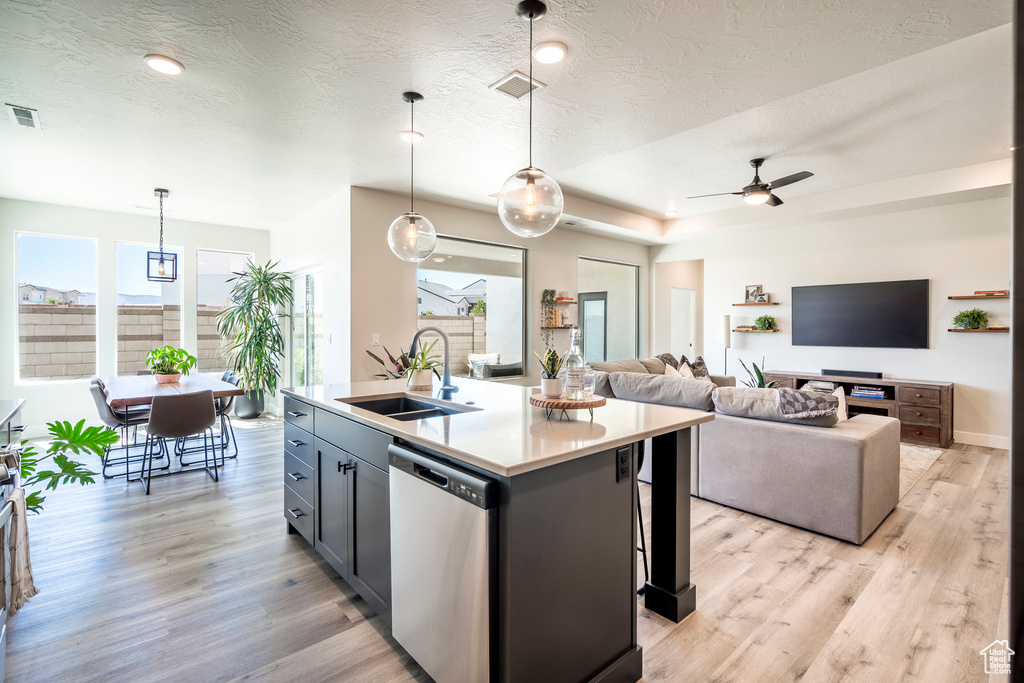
x,y
563,563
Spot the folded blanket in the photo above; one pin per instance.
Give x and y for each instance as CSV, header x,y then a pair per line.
x,y
22,585
800,404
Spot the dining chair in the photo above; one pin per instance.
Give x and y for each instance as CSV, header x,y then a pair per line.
x,y
227,430
178,416
119,420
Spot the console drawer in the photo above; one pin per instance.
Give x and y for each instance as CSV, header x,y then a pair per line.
x,y
919,415
352,437
298,476
298,413
299,443
299,513
920,395
920,433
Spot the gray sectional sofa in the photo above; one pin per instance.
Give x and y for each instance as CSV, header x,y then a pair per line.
x,y
841,481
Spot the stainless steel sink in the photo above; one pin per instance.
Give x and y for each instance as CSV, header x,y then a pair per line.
x,y
407,408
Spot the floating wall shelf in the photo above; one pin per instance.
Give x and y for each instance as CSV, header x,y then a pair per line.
x,y
773,303
978,296
758,331
981,329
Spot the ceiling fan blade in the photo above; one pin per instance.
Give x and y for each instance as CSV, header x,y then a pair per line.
x,y
774,201
717,194
790,179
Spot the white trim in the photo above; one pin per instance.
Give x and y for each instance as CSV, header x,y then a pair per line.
x,y
987,440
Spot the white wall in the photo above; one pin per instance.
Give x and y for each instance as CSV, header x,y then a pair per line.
x,y
682,275
70,400
384,288
318,239
959,247
620,284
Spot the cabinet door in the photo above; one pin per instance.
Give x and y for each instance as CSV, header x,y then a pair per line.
x,y
332,506
370,535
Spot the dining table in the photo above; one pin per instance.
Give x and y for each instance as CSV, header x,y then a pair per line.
x,y
125,391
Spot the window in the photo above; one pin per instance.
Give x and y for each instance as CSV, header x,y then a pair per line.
x,y
214,269
307,326
609,304
56,308
474,292
148,313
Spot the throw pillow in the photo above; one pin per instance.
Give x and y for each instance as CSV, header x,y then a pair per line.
x,y
761,404
698,368
841,414
670,391
671,371
685,372
668,359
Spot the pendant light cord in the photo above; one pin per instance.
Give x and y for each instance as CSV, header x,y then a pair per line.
x,y
412,154
531,91
161,226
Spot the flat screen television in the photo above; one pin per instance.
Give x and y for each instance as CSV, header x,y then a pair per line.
x,y
871,314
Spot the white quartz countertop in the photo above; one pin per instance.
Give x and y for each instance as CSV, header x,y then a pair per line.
x,y
508,436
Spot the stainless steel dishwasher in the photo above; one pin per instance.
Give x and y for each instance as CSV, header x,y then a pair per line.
x,y
443,523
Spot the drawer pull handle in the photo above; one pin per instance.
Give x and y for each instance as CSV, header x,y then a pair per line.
x,y
344,467
297,443
919,414
917,395
296,476
295,514
295,413
918,432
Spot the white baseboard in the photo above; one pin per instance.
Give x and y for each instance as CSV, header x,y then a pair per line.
x,y
987,440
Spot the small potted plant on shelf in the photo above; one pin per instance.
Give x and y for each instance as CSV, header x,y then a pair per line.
x,y
765,322
974,319
422,368
168,364
550,364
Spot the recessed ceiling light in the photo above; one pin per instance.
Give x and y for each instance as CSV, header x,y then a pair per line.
x,y
671,214
412,136
550,53
165,65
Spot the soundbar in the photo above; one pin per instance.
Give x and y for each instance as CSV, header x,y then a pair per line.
x,y
853,373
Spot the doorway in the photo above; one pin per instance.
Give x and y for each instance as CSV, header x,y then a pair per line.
x,y
594,326
683,334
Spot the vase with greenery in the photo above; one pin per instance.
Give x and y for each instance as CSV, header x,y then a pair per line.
x,y
973,319
65,438
547,314
168,363
251,321
756,376
550,364
765,322
423,365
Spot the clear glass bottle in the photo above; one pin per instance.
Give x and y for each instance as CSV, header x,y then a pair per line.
x,y
575,369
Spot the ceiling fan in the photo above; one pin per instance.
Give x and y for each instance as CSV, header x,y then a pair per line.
x,y
758,192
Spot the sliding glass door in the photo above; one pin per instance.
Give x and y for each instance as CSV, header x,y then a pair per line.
x,y
307,335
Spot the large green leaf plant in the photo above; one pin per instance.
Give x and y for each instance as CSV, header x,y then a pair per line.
x,y
65,438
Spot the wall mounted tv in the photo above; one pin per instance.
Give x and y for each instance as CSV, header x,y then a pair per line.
x,y
872,314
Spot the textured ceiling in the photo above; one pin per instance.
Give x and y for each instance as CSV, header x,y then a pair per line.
x,y
283,102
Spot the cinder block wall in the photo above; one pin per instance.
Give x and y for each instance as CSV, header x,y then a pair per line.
x,y
466,333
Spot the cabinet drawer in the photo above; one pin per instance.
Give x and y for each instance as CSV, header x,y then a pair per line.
x,y
354,438
919,433
781,381
298,413
298,476
299,443
918,415
921,395
299,513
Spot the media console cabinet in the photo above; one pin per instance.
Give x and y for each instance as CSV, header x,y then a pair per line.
x,y
923,407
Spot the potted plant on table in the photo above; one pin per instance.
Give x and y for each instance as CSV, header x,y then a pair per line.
x,y
550,364
422,368
168,364
256,305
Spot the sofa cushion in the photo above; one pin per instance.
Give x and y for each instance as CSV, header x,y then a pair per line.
x,y
602,387
842,415
761,404
628,365
670,391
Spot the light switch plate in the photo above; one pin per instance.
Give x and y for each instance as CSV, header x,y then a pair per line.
x,y
376,340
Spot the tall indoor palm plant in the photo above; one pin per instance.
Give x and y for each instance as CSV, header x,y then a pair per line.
x,y
259,298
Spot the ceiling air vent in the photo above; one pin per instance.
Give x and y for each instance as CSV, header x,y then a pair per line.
x,y
516,84
23,116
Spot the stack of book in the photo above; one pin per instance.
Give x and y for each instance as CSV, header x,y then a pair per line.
x,y
861,391
819,385
564,300
991,292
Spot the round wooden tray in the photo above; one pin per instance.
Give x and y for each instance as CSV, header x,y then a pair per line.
x,y
562,403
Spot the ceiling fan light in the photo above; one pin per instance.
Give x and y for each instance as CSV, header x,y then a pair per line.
x,y
756,196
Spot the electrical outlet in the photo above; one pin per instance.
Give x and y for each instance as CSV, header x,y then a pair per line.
x,y
376,340
622,458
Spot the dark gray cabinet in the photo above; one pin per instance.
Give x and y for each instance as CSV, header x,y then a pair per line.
x,y
337,495
332,537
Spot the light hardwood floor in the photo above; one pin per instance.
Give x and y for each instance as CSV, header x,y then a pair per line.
x,y
199,582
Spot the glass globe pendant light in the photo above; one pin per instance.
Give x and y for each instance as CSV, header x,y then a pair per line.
x,y
412,237
530,201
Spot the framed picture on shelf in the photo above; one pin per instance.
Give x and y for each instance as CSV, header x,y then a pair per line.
x,y
752,292
763,298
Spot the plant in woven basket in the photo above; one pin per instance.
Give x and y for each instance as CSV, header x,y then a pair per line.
x,y
972,319
765,322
